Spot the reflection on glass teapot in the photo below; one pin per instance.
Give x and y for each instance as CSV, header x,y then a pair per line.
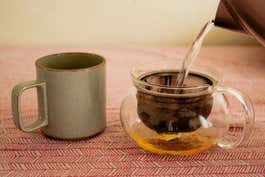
x,y
166,119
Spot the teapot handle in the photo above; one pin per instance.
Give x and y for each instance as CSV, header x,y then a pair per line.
x,y
237,133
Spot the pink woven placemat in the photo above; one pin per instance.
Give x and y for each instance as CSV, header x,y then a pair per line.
x,y
112,153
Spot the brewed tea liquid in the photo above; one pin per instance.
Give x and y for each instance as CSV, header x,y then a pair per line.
x,y
193,53
186,143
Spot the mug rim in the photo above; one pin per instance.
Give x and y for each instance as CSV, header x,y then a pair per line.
x,y
41,66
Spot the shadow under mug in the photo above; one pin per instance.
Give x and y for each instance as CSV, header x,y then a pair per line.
x,y
71,96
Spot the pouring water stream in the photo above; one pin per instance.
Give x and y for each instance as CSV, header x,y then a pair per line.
x,y
192,54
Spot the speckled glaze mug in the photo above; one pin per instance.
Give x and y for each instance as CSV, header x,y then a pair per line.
x,y
71,96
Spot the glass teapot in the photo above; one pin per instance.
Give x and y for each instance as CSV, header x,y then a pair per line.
x,y
165,119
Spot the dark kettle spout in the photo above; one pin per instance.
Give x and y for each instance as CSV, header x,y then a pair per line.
x,y
246,16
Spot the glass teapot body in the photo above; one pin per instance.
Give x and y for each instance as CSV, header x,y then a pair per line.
x,y
165,119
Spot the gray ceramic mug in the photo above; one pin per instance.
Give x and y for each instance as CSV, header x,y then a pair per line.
x,y
71,96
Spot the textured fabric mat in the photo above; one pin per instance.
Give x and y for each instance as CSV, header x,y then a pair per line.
x,y
112,153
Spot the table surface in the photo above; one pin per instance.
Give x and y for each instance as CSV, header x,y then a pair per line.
x,y
112,153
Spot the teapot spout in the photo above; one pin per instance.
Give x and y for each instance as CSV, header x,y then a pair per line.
x,y
225,19
247,16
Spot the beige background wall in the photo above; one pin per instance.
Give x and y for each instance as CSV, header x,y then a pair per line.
x,y
41,22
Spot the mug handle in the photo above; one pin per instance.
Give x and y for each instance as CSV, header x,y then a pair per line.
x,y
231,139
16,111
